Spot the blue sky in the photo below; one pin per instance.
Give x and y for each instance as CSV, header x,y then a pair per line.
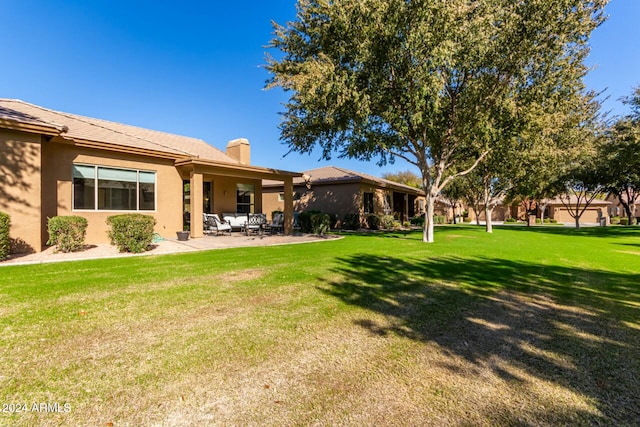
x,y
195,67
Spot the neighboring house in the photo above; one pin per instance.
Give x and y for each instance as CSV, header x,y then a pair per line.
x,y
617,209
54,163
500,213
597,210
339,191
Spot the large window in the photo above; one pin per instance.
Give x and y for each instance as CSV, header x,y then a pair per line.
x,y
246,198
112,189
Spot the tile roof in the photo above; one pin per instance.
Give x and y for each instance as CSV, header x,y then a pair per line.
x,y
80,128
333,174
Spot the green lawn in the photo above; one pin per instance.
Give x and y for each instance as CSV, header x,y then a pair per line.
x,y
528,326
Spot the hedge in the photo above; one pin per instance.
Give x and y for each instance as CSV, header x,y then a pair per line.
x,y
351,222
320,223
5,242
67,233
131,232
388,222
373,221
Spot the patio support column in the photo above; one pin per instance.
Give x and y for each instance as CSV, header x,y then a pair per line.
x,y
196,204
406,207
288,205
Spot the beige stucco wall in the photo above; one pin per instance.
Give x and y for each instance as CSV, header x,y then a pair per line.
x,y
338,199
225,192
500,213
590,216
57,199
20,188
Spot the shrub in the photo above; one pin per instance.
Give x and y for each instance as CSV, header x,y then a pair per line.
x,y
387,221
439,219
554,221
334,220
5,224
131,232
373,221
624,221
510,220
615,220
418,220
320,223
538,221
406,224
351,222
304,221
67,233
467,219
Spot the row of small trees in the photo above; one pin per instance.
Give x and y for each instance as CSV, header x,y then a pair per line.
x,y
592,159
451,87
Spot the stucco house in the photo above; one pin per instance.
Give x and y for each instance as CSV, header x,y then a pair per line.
x,y
55,163
339,191
593,214
617,209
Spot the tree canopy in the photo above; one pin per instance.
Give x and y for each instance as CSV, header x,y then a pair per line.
x,y
433,82
621,150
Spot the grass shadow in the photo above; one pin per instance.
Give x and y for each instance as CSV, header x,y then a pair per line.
x,y
573,327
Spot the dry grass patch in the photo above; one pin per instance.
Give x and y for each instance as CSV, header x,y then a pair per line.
x,y
360,334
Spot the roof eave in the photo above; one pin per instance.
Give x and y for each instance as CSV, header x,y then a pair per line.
x,y
40,128
237,169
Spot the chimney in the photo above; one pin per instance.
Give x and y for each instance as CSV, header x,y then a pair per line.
x,y
239,149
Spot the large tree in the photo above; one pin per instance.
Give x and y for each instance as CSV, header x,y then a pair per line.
x,y
403,177
622,153
429,81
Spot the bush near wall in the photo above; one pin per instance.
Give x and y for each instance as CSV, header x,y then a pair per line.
x,y
418,221
5,224
320,223
387,222
351,222
373,221
131,232
67,233
439,219
304,221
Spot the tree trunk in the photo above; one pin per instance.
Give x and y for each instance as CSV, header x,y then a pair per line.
x,y
476,211
488,212
577,221
427,235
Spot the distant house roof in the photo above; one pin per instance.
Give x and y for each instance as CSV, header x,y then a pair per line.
x,y
20,115
574,199
336,175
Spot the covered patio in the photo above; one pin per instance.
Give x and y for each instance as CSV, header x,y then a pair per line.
x,y
217,187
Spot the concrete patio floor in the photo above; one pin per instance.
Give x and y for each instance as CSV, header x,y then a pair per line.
x,y
167,246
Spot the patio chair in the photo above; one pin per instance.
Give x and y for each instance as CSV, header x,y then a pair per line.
x,y
255,223
277,223
213,223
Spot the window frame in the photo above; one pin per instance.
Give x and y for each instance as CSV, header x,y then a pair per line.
x,y
251,190
368,202
96,188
